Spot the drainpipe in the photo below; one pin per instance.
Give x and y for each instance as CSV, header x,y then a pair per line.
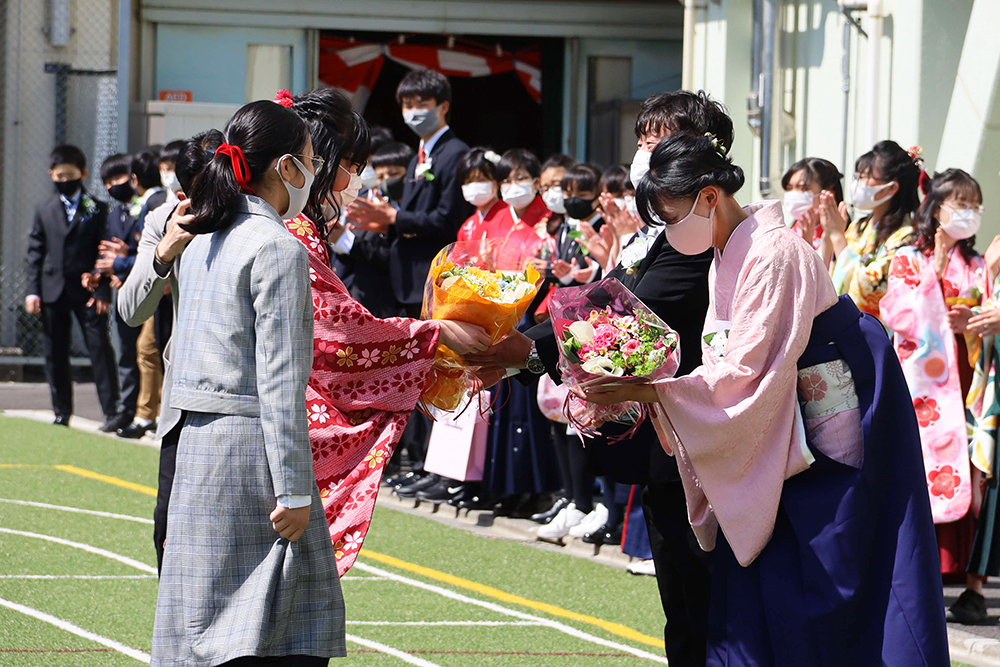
x,y
874,67
769,22
687,59
846,9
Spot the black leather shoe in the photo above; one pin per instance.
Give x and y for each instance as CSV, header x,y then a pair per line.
x,y
115,422
549,514
135,430
410,491
508,504
61,420
472,500
406,479
969,609
606,534
441,492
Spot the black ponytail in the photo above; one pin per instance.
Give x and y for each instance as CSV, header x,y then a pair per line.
x,y
194,154
338,132
680,167
887,161
264,131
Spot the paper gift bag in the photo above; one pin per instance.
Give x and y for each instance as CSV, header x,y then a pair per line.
x,y
457,447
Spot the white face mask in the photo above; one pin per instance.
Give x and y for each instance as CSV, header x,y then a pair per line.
x,y
639,168
863,195
368,177
350,193
518,195
480,193
553,198
170,182
798,202
632,207
693,234
962,224
297,197
421,121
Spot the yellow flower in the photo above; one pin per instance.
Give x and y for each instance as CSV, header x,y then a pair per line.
x,y
347,357
389,356
375,458
300,227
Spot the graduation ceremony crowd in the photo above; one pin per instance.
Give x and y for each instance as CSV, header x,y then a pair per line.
x,y
823,457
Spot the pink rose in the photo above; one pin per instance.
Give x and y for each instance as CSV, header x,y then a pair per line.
x,y
631,347
605,336
658,345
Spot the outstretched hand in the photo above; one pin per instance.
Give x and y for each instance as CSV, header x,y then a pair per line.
x,y
511,352
613,395
463,338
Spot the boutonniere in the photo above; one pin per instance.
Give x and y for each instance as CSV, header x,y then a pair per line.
x,y
88,204
423,171
633,254
135,208
576,235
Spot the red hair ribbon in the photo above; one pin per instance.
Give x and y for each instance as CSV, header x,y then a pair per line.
x,y
284,98
241,170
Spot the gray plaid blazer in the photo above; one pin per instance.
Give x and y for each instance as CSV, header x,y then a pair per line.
x,y
243,341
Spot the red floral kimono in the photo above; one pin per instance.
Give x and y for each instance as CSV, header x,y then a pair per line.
x,y
367,377
495,223
525,235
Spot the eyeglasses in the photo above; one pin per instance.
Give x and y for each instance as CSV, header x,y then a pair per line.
x,y
962,206
524,180
317,162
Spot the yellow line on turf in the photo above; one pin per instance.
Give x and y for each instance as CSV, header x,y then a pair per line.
x,y
89,474
497,594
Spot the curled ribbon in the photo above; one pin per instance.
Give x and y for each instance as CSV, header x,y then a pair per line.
x,y
241,170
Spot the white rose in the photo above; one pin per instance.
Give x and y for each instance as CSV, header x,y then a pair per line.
x,y
582,331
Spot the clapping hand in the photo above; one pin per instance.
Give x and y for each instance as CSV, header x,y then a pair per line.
x,y
105,265
992,257
583,274
561,268
807,224
832,216
113,248
986,323
596,244
621,220
90,281
941,248
373,215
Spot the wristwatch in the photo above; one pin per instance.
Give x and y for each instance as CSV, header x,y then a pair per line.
x,y
533,363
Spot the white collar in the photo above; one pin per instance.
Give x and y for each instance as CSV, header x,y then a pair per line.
x,y
74,200
429,145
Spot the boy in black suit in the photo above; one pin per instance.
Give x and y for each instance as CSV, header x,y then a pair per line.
x,y
62,250
432,208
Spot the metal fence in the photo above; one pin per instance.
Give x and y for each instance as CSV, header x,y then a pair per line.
x,y
59,85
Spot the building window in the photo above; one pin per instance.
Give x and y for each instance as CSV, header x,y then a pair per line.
x,y
269,69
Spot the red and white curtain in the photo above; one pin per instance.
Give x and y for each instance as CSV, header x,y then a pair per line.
x,y
354,66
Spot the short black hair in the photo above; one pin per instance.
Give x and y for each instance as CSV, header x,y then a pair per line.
x,y
67,154
616,180
475,160
582,177
380,136
172,151
518,158
146,169
118,164
195,154
685,112
558,161
816,169
393,155
424,83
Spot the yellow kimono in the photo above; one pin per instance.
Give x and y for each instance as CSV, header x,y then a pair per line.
x,y
862,269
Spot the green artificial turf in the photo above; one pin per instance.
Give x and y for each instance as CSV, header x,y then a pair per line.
x,y
122,609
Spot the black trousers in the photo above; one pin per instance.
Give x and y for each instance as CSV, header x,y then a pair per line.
x,y
574,466
278,661
128,367
168,463
683,573
57,329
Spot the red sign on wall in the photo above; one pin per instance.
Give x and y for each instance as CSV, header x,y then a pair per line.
x,y
176,96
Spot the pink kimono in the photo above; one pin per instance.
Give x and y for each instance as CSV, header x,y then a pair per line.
x,y
367,377
735,422
915,308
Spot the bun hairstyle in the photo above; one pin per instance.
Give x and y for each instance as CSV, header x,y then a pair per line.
x,y
194,155
263,131
338,133
478,159
887,161
939,188
680,167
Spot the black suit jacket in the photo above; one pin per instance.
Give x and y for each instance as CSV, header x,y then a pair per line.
x,y
430,214
675,287
368,262
60,251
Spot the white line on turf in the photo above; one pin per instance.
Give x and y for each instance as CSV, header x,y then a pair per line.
x,y
422,623
350,578
109,515
555,625
77,576
388,650
76,630
85,547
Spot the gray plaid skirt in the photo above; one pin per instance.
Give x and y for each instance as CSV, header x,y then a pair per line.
x,y
231,586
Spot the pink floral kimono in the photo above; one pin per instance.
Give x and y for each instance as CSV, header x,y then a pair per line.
x,y
367,377
915,307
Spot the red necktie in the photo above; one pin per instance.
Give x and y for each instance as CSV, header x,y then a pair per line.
x,y
421,155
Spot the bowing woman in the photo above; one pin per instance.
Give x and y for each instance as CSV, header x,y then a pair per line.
x,y
248,568
796,442
367,373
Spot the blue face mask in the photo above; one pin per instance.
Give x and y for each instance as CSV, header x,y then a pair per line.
x,y
421,121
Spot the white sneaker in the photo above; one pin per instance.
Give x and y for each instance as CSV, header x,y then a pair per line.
x,y
646,567
561,524
594,520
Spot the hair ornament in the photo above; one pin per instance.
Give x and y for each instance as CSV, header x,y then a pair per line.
x,y
492,157
716,144
284,98
241,170
916,154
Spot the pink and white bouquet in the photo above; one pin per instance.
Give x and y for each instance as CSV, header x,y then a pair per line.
x,y
607,336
